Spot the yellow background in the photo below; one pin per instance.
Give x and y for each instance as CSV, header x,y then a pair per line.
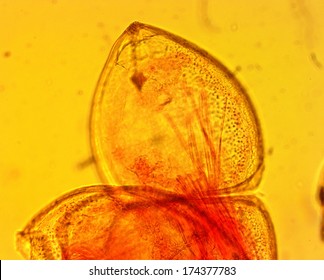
x,y
52,53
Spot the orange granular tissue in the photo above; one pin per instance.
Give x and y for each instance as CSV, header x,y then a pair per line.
x,y
177,141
